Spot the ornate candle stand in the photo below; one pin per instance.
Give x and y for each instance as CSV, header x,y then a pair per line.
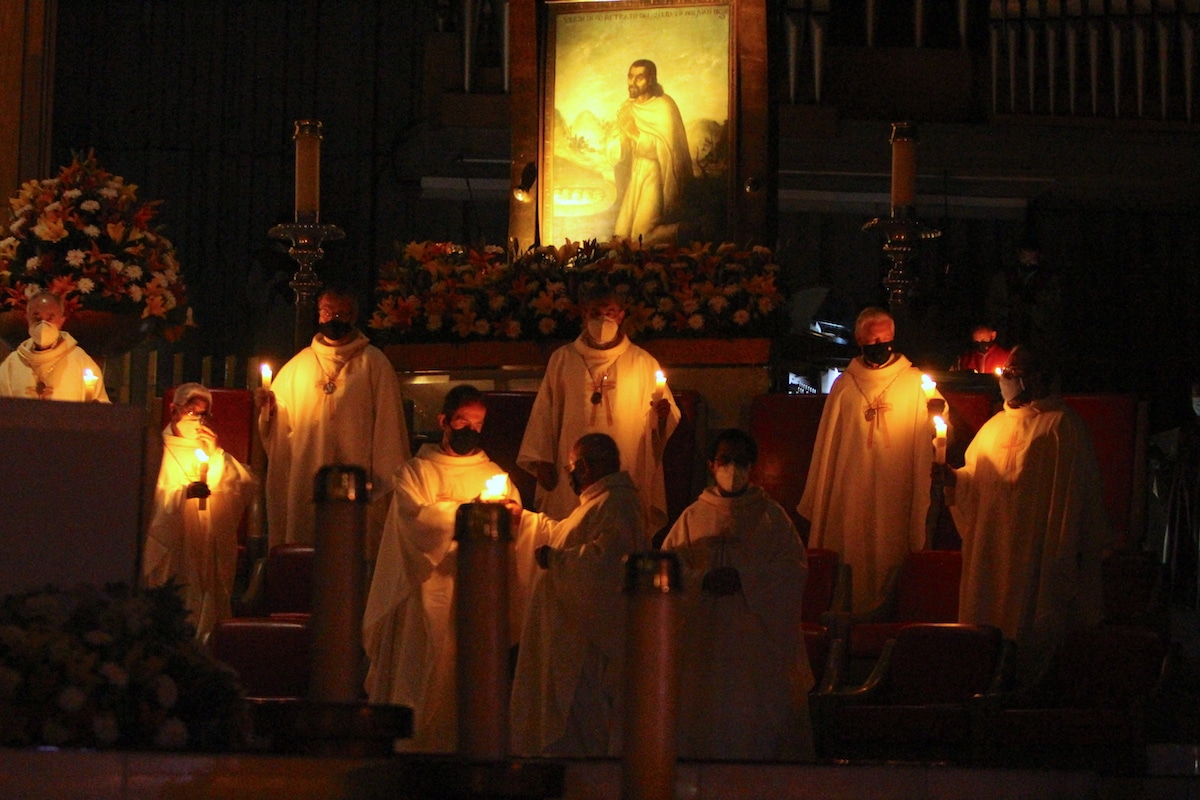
x,y
306,239
901,234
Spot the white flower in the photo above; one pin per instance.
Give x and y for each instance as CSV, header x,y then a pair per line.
x,y
71,699
108,192
172,735
76,258
135,293
718,303
160,280
165,691
434,322
17,225
741,316
512,329
658,322
482,327
85,285
665,304
171,275
71,194
55,206
696,322
90,205
105,729
547,325
690,305
32,263
114,674
91,231
31,289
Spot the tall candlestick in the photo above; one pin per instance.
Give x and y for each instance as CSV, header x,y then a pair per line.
x,y
660,383
939,440
265,371
90,379
308,170
904,164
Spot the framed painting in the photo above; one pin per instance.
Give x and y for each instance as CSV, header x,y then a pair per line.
x,y
604,132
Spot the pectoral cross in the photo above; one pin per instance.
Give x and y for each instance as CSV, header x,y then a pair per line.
x,y
601,396
1011,446
873,414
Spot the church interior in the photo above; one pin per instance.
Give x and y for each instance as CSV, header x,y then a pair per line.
x,y
1052,158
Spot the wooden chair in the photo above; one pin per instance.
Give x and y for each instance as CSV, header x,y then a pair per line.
x,y
917,702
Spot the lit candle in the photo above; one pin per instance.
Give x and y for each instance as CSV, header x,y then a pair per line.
x,y
496,488
90,379
202,476
266,376
660,383
997,371
939,440
308,170
929,385
904,164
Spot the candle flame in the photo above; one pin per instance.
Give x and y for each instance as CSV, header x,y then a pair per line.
x,y
660,380
496,488
939,426
929,385
265,369
201,456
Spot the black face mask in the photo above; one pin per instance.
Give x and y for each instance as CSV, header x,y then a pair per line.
x,y
983,347
464,440
335,329
576,480
877,354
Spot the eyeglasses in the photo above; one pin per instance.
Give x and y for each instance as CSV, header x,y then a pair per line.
x,y
203,416
1008,373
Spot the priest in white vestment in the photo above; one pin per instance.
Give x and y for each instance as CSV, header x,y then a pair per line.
x,y
337,401
1029,506
567,692
600,383
744,671
50,364
867,493
652,160
198,505
408,628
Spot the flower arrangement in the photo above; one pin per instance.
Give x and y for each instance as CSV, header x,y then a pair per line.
x,y
111,667
440,292
85,236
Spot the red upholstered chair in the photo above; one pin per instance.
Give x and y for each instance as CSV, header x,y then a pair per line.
x,y
289,579
828,585
1087,711
918,701
683,457
1118,425
508,414
785,427
269,654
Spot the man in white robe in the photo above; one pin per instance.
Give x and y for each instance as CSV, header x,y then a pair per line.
x,y
50,364
868,482
197,510
567,692
744,672
408,627
1029,505
603,383
651,156
337,401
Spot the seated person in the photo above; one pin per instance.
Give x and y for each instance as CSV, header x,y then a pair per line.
x,y
408,628
50,364
986,355
567,693
742,654
198,506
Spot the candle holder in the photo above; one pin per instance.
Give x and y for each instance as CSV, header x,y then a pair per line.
x,y
901,234
306,239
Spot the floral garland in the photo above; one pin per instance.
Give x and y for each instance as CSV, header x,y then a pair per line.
x,y
442,292
111,668
85,236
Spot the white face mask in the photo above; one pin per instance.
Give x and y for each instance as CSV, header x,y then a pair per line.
x,y
1196,406
732,478
1010,388
188,428
602,330
44,334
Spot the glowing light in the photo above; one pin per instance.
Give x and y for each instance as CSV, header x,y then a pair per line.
x,y
496,488
90,379
265,370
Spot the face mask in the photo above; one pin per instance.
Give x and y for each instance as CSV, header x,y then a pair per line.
x,y
335,330
876,355
1196,406
983,347
576,480
464,440
44,334
602,330
188,428
732,478
1011,388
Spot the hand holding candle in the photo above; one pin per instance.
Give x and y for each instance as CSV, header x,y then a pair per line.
x,y
660,383
90,379
939,440
202,474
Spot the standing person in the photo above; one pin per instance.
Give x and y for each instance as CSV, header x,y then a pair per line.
x,y
868,483
602,383
408,628
745,674
197,510
567,692
986,355
1029,505
652,161
337,401
50,364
